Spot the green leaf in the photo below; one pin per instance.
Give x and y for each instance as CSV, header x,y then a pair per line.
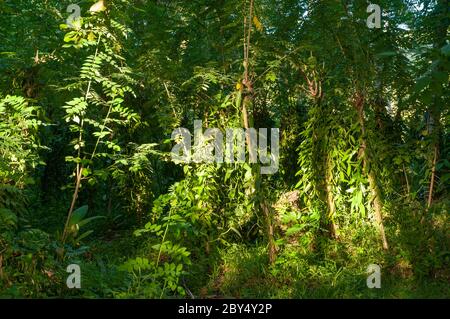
x,y
294,229
88,220
271,76
422,83
78,215
84,235
236,231
71,36
386,54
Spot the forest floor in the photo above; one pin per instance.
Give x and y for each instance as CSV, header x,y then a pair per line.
x,y
243,271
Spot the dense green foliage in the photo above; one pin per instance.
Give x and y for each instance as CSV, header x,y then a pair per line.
x,y
88,107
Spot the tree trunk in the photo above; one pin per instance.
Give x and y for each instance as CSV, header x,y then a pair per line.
x,y
433,174
440,38
378,207
74,200
269,231
1,266
373,186
330,199
248,101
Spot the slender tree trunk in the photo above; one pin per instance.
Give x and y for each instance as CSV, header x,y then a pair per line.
x,y
330,198
378,207
408,188
1,266
266,209
74,200
80,168
373,185
440,38
246,103
433,174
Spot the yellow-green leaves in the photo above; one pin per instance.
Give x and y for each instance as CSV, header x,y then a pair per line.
x,y
75,108
98,7
259,26
91,36
271,76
